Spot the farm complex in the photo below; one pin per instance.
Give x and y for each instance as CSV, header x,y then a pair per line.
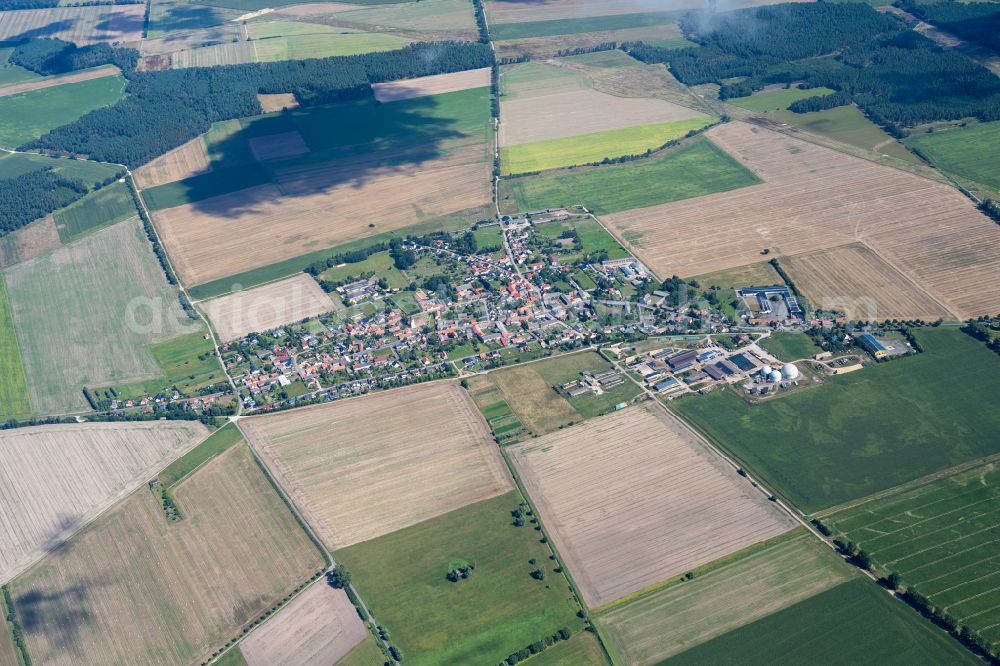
x,y
499,332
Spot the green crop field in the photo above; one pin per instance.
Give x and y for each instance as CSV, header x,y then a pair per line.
x,y
217,442
98,209
849,125
651,626
864,432
11,73
502,31
498,610
790,346
13,387
611,59
342,42
379,263
588,148
595,238
855,622
88,313
365,653
776,99
580,650
29,115
942,537
967,152
15,164
692,170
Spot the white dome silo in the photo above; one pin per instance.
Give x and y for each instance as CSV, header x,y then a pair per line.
x,y
775,376
789,371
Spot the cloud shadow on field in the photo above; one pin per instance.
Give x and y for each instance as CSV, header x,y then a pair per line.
x,y
62,613
48,30
179,17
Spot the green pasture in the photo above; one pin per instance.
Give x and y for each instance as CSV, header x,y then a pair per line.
x,y
967,152
867,431
99,209
790,346
498,610
13,386
379,263
29,115
774,100
15,164
692,170
217,442
365,653
11,73
847,124
528,29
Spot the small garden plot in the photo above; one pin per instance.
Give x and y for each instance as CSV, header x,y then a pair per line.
x,y
498,414
513,597
632,498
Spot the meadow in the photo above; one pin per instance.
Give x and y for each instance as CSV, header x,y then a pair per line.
x,y
29,115
379,263
14,401
855,622
941,536
15,164
691,170
11,73
365,653
790,346
528,29
76,317
862,433
580,650
587,148
498,610
773,100
723,595
185,587
107,206
847,124
967,152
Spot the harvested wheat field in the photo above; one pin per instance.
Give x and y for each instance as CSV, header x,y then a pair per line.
x,y
28,242
134,589
317,206
632,498
54,479
184,161
316,629
264,308
854,280
393,91
277,102
81,25
814,198
49,81
512,11
278,146
368,466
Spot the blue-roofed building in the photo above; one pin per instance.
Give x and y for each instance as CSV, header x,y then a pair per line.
x,y
872,345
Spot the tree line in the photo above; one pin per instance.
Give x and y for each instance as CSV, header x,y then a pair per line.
x,y
162,110
55,56
977,22
33,195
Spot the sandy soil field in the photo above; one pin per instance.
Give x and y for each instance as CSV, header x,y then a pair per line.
x,y
369,466
81,25
184,161
316,629
278,146
133,589
423,86
266,307
48,82
631,499
54,479
28,242
258,226
852,279
814,198
277,102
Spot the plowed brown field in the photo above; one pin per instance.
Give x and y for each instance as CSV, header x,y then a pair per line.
x,y
184,161
814,198
631,499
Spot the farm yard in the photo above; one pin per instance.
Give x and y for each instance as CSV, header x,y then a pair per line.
x,y
171,592
940,535
56,478
854,280
112,303
814,198
722,596
631,499
865,432
368,466
318,627
500,608
264,308
81,25
394,91
28,115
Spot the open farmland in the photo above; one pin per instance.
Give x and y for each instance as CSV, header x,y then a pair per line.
x,y
499,609
87,313
941,536
267,307
56,478
189,159
691,170
788,346
533,400
512,11
28,115
318,627
109,205
81,25
168,17
132,588
776,99
368,466
49,81
750,585
965,152
854,280
393,91
667,35
28,242
13,386
856,621
814,198
631,499
440,19
864,432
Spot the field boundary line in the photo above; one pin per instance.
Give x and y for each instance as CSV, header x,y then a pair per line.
x,y
947,306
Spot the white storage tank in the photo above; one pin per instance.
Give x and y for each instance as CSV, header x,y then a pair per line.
x,y
789,371
775,376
